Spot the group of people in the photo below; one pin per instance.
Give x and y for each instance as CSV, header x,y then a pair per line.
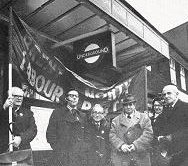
x,y
132,138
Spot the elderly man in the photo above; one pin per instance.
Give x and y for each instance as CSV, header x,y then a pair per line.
x,y
172,127
99,152
24,127
66,133
131,134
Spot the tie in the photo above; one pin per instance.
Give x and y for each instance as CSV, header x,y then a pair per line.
x,y
97,124
74,112
128,116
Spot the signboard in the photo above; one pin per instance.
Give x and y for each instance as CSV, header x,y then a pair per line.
x,y
94,52
95,57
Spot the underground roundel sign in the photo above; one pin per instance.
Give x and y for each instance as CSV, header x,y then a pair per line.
x,y
93,53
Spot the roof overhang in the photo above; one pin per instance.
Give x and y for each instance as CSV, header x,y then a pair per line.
x,y
136,43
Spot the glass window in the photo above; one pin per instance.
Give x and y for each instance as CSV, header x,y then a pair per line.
x,y
182,77
173,71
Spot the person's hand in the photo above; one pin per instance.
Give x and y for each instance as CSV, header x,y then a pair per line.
x,y
16,141
159,138
164,141
169,137
125,148
8,103
132,148
165,138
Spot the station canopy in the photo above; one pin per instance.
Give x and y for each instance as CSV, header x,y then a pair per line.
x,y
64,21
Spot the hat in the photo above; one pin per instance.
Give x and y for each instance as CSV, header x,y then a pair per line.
x,y
128,98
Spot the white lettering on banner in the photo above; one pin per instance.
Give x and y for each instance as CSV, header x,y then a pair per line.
x,y
100,95
40,81
33,50
112,94
86,105
28,41
41,85
58,92
31,75
23,60
89,94
49,93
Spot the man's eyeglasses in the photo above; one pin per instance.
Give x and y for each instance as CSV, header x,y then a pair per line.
x,y
168,93
97,113
17,96
128,104
72,95
157,105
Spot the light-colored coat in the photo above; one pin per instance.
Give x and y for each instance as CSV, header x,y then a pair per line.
x,y
123,128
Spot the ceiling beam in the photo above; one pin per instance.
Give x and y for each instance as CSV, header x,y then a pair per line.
x,y
59,17
39,9
123,40
81,37
127,49
59,34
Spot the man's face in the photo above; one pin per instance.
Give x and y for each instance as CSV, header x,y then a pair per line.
x,y
97,114
17,97
129,108
170,95
158,107
72,98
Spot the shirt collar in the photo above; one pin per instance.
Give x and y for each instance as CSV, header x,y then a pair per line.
x,y
156,115
70,108
174,102
131,115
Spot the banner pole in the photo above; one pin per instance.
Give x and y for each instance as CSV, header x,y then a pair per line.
x,y
10,79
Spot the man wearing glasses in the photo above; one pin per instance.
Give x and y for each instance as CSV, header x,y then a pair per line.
x,y
24,127
66,133
131,134
98,126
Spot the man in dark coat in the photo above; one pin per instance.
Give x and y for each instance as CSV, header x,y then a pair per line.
x,y
172,127
24,127
99,152
67,134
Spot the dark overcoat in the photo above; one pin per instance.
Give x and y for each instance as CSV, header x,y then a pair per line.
x,y
99,153
123,130
174,121
24,126
67,135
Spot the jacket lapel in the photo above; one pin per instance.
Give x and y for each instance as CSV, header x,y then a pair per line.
x,y
177,105
129,122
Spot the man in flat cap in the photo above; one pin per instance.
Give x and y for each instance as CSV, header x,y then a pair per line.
x,y
130,134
